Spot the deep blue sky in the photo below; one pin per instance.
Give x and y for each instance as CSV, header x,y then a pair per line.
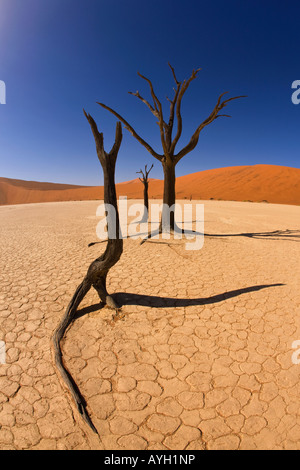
x,y
58,56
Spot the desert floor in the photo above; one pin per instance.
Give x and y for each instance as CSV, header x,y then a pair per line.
x,y
202,358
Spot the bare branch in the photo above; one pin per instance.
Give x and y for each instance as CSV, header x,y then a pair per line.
x,y
154,111
142,173
223,115
231,99
98,136
172,111
158,107
184,87
147,172
133,132
214,115
173,72
118,139
157,103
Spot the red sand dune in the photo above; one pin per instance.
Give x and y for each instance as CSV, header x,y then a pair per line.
x,y
257,183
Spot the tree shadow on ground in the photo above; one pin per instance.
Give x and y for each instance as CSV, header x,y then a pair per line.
x,y
290,235
127,298
285,235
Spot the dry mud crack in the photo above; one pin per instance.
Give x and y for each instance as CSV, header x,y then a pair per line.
x,y
202,358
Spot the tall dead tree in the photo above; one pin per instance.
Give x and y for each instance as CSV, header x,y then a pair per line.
x,y
97,272
145,181
169,158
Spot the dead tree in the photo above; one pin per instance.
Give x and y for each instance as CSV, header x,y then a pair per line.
x,y
145,182
97,272
169,158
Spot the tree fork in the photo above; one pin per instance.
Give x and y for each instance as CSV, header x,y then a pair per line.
x,y
97,272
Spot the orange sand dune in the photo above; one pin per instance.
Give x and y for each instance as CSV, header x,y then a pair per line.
x,y
257,183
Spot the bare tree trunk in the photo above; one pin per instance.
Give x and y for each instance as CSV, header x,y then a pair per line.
x,y
146,198
98,270
146,203
168,218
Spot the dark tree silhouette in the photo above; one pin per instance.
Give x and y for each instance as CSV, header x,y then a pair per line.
x,y
169,158
98,270
145,181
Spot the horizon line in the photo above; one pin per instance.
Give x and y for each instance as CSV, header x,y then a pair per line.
x,y
153,179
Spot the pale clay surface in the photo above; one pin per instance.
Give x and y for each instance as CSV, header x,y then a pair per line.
x,y
186,367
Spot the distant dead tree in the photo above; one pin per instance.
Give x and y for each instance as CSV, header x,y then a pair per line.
x,y
169,158
145,181
97,272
